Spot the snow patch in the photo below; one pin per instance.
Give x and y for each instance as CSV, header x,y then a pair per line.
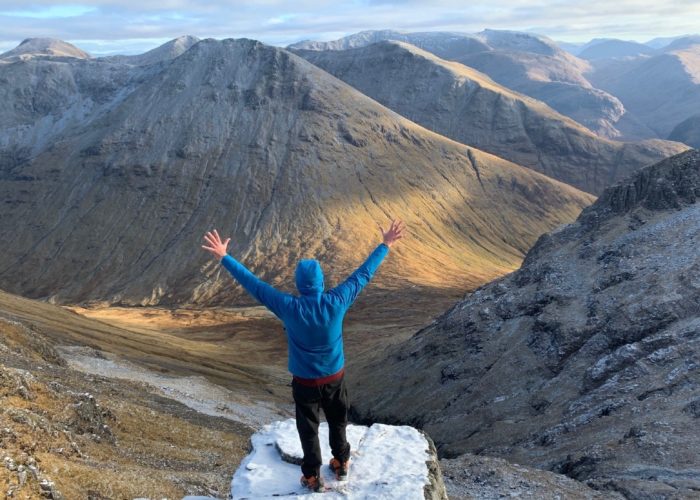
x,y
386,462
194,391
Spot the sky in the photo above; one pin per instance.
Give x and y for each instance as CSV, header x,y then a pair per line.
x,y
103,27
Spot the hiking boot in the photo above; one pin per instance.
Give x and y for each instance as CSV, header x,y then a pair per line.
x,y
340,468
314,483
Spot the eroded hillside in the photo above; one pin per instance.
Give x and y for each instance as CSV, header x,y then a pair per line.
x,y
585,361
262,145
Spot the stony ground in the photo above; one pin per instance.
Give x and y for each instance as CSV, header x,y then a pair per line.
x,y
65,434
585,361
478,477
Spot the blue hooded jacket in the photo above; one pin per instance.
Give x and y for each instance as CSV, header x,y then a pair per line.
x,y
314,319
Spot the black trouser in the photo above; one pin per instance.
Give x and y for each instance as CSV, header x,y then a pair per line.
x,y
333,398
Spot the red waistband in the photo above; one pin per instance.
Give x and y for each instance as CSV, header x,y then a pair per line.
x,y
315,382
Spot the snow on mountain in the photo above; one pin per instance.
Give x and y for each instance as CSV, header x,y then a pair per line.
x,y
386,461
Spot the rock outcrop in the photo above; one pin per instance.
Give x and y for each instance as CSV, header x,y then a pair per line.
x,y
585,361
465,105
386,462
479,477
110,184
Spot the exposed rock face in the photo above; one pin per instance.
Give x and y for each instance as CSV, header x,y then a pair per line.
x,y
688,132
260,144
659,91
478,477
467,106
527,63
46,99
585,361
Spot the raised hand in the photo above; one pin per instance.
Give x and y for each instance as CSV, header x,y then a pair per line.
x,y
217,247
394,233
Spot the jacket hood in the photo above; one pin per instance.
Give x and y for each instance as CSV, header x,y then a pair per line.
x,y
309,277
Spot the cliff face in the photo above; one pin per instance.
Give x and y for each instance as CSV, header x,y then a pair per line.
x,y
467,106
585,361
109,185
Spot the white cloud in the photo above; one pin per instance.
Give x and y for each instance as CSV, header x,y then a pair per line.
x,y
144,23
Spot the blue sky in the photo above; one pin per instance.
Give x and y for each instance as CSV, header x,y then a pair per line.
x,y
131,26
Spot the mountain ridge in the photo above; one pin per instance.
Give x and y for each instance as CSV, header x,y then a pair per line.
x,y
37,47
220,133
461,103
531,64
584,361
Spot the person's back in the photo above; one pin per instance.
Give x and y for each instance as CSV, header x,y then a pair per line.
x,y
314,326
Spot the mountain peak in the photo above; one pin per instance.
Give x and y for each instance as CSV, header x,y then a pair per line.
x,y
169,50
683,42
518,41
45,47
671,183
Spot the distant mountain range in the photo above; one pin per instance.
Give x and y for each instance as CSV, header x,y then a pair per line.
x,y
530,64
464,104
616,88
660,90
112,170
614,43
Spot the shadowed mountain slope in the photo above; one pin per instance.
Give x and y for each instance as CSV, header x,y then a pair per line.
x,y
467,106
688,132
659,91
585,361
606,49
271,150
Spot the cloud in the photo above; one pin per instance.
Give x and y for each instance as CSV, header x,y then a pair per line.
x,y
49,12
139,25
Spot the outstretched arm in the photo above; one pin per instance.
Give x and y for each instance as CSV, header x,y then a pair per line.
x,y
348,290
264,293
